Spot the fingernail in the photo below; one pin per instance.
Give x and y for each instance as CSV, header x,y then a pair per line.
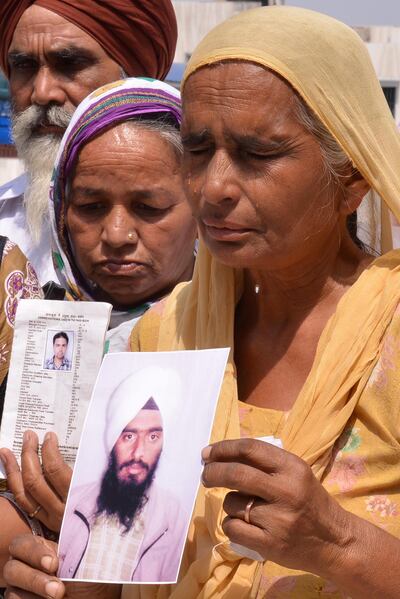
x,y
47,563
27,436
3,458
47,437
52,589
205,454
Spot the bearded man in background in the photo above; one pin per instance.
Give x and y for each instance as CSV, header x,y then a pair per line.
x,y
54,53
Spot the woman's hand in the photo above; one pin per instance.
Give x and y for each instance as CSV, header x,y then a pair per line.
x,y
292,521
40,493
30,574
31,570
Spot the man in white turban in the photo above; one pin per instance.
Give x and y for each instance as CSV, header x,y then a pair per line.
x,y
127,527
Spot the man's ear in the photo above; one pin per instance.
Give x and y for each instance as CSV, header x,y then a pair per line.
x,y
354,188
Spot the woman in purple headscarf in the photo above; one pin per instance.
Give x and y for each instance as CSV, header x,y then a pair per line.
x,y
122,232
122,229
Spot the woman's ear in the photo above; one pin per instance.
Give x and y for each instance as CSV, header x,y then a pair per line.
x,y
354,188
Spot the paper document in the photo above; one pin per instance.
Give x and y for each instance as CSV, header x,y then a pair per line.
x,y
56,355
138,466
242,549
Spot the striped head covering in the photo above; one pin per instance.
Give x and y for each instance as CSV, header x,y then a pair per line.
x,y
103,109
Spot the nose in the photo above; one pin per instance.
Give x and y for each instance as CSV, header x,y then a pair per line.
x,y
220,186
138,449
47,88
118,229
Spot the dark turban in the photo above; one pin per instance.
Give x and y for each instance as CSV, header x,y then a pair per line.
x,y
140,35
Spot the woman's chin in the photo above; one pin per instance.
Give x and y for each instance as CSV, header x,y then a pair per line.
x,y
125,296
127,302
237,257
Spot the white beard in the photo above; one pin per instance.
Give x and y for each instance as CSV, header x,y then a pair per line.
x,y
38,152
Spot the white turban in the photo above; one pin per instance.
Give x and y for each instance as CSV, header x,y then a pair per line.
x,y
163,385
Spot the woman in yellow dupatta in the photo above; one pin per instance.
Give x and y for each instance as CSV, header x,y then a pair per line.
x,y
285,128
345,421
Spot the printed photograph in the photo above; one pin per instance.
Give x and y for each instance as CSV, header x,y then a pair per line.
x,y
59,350
127,518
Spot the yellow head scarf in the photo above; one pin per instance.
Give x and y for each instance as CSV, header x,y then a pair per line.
x,y
329,66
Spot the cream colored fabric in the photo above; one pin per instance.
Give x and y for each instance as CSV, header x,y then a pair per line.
x,y
111,553
329,66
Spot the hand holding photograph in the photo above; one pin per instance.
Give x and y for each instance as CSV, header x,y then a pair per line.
x,y
138,466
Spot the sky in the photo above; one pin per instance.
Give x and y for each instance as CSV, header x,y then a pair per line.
x,y
353,12
356,12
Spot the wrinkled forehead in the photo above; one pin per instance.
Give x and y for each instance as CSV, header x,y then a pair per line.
x,y
42,30
241,92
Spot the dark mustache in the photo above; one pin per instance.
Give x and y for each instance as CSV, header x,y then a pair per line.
x,y
134,463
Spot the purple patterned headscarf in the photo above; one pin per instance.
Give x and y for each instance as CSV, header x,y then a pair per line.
x,y
104,108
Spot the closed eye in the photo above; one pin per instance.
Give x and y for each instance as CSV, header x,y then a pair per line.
x,y
149,210
261,156
90,208
197,150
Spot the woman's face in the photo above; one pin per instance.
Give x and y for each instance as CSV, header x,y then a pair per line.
x,y
129,223
253,175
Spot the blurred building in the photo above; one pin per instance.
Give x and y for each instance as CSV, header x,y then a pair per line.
x,y
383,45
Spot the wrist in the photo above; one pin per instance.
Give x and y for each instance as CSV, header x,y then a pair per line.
x,y
353,558
341,553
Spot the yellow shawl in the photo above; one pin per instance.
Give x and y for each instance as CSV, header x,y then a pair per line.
x,y
329,66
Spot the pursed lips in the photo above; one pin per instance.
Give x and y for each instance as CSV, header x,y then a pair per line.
x,y
225,229
120,267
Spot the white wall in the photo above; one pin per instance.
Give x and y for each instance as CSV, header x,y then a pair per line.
x,y
9,169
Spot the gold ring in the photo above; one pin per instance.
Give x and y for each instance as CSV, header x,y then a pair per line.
x,y
247,510
35,512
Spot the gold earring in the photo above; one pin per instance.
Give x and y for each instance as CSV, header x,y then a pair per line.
x,y
130,235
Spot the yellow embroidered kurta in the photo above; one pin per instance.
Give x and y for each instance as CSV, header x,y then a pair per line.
x,y
352,383
362,472
364,476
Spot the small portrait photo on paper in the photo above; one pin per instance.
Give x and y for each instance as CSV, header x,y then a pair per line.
x,y
59,350
138,466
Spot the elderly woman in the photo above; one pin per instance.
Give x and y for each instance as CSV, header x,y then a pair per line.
x,y
122,232
122,229
285,128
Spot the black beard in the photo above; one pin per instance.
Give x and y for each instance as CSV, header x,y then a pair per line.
x,y
125,500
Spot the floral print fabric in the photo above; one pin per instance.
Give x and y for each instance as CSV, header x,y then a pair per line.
x,y
364,474
18,280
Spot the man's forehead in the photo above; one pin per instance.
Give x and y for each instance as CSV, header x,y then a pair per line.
x,y
47,28
145,419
